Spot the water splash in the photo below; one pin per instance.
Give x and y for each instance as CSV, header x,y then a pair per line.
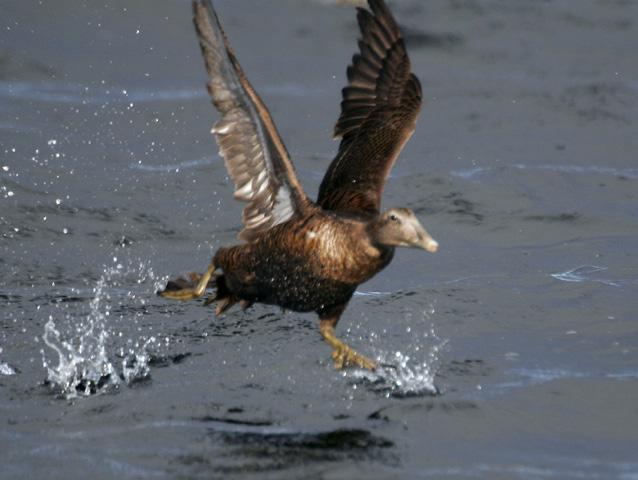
x,y
406,373
83,367
87,358
402,375
135,367
5,368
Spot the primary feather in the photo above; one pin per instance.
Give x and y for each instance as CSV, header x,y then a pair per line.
x,y
378,114
255,156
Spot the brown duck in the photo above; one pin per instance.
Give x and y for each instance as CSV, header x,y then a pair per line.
x,y
299,254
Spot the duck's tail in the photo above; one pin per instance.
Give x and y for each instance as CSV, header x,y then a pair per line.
x,y
224,297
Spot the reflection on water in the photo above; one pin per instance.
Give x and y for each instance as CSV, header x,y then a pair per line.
x,y
268,451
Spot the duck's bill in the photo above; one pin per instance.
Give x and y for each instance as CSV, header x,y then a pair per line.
x,y
426,242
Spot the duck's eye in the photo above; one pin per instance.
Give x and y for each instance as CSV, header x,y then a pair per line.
x,y
394,218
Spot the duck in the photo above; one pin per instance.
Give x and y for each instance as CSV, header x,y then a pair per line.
x,y
296,253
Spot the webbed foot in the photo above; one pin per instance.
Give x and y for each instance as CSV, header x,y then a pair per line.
x,y
343,355
182,289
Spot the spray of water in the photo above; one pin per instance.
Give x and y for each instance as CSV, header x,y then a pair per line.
x,y
410,371
90,355
83,367
5,368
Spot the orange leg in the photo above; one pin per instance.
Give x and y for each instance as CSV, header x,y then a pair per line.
x,y
342,354
190,293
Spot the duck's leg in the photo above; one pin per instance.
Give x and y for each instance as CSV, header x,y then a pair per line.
x,y
342,354
190,293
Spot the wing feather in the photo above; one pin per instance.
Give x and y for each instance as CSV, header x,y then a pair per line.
x,y
379,109
255,156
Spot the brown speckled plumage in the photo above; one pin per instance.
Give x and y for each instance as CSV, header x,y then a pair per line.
x,y
301,255
308,264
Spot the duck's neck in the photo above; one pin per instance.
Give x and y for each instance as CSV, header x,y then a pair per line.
x,y
375,232
382,250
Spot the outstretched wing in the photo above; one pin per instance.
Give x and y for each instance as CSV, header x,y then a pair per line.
x,y
378,114
255,155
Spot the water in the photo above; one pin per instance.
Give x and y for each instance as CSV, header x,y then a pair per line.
x,y
83,362
511,353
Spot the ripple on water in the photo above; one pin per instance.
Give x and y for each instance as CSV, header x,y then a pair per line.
x,y
86,94
584,273
569,169
173,167
74,93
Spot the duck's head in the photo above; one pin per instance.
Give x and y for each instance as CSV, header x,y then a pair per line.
x,y
399,227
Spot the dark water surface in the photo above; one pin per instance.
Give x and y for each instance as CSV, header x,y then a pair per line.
x,y
524,167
